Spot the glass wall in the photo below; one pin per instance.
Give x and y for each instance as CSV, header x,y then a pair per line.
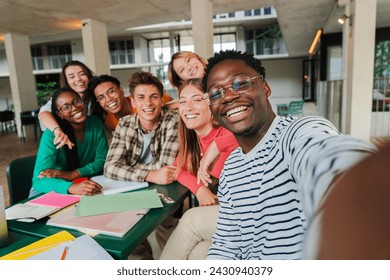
x,y
121,51
37,58
265,41
59,55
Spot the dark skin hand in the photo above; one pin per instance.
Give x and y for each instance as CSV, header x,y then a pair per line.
x,y
355,223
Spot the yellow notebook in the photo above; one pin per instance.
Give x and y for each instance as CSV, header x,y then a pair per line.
x,y
40,246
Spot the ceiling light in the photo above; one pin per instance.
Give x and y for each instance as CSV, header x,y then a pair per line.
x,y
315,41
342,19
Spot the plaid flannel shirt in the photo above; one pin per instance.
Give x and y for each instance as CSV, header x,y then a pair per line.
x,y
122,162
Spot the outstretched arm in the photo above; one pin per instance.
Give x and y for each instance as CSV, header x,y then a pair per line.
x,y
357,208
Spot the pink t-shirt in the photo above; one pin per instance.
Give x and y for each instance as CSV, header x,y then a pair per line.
x,y
226,143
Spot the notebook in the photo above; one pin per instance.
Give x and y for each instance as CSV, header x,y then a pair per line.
x,y
111,186
114,224
40,246
29,213
40,207
55,199
119,202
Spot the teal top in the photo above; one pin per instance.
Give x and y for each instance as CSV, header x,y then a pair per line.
x,y
92,154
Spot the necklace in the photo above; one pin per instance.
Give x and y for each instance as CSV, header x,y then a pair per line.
x,y
200,148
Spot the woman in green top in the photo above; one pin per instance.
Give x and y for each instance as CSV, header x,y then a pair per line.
x,y
58,169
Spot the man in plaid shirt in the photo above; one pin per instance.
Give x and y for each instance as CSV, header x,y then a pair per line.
x,y
144,145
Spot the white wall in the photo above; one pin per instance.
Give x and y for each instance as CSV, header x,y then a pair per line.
x,y
284,77
77,50
123,76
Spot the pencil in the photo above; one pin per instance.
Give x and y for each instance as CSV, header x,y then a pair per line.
x,y
64,253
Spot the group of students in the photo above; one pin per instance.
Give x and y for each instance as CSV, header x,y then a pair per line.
x,y
273,174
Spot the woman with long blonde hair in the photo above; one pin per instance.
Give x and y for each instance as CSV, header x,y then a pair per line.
x,y
196,133
185,65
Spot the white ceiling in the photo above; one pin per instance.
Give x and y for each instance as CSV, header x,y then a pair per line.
x,y
54,20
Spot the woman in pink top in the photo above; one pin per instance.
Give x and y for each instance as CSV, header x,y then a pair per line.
x,y
196,133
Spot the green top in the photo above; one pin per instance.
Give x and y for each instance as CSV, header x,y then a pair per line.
x,y
92,154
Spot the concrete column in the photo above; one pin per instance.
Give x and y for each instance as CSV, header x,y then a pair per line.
x,y
202,27
360,69
95,44
21,76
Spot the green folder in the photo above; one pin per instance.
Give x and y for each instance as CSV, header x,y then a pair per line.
x,y
102,204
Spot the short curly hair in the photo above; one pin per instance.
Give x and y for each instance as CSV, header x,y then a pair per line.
x,y
249,59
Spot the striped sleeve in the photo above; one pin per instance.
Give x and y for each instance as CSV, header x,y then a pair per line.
x,y
317,152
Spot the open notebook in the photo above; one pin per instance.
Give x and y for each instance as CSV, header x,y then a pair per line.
x,y
111,186
40,207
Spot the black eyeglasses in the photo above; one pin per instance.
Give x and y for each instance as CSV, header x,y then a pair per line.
x,y
66,108
240,84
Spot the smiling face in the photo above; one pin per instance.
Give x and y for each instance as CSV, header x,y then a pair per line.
x,y
246,114
71,108
110,97
188,68
147,100
77,79
194,110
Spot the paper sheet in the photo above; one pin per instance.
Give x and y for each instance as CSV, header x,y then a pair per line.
x,y
81,248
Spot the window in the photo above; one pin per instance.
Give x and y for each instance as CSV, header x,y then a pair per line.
x,y
248,13
256,12
225,41
121,51
264,41
37,58
59,55
267,11
160,53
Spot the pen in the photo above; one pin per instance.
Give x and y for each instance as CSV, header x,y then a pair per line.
x,y
64,253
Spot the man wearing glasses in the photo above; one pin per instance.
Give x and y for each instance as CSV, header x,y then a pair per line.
x,y
274,183
109,100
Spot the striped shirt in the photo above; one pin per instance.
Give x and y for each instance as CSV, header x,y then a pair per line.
x,y
267,195
123,158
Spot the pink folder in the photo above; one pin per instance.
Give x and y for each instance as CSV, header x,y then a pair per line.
x,y
55,199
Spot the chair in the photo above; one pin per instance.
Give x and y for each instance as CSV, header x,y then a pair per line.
x,y
7,118
19,177
294,108
29,118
